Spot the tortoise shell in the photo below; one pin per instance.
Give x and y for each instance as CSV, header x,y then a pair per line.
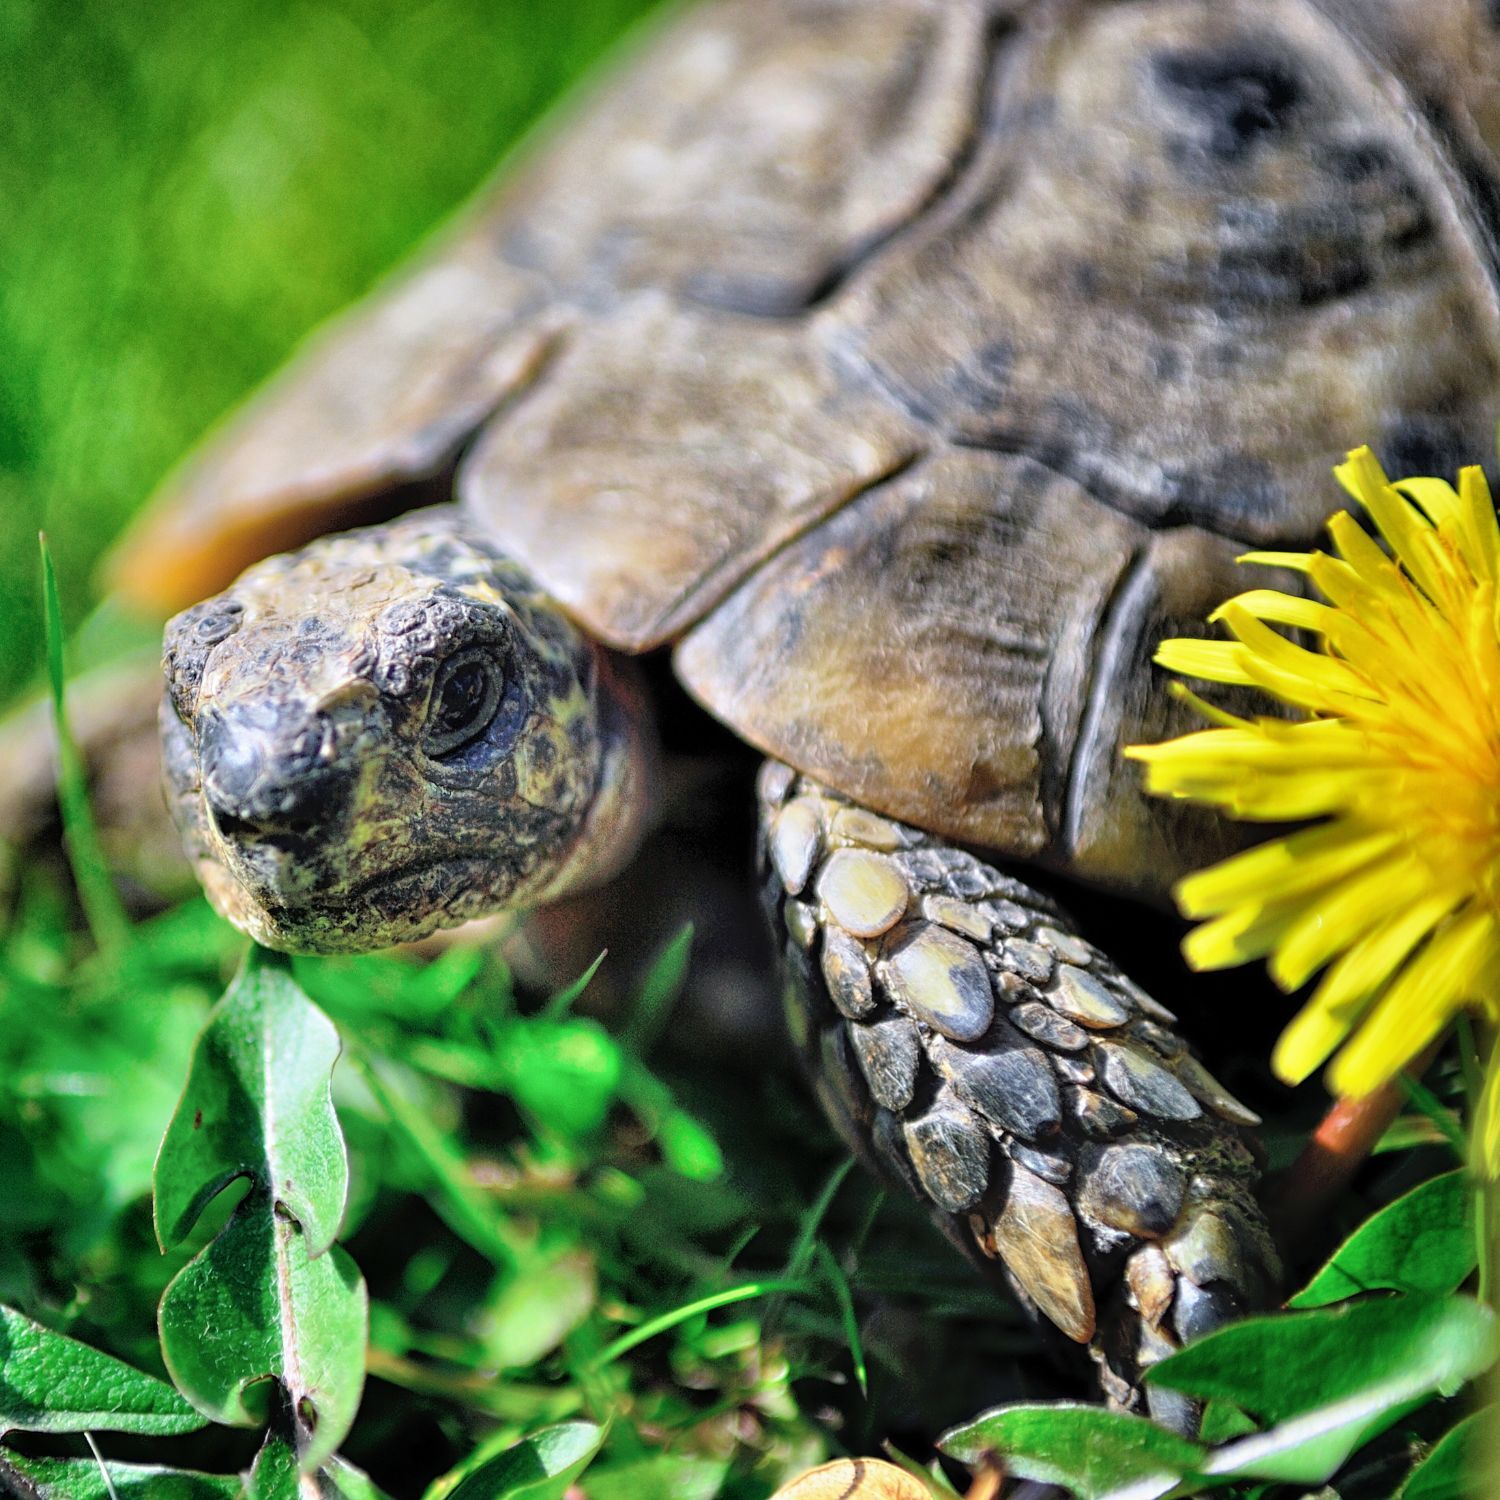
x,y
914,365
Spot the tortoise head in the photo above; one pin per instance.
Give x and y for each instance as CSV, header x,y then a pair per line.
x,y
390,731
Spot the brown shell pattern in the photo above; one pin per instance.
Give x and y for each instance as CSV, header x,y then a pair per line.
x,y
982,1054
917,364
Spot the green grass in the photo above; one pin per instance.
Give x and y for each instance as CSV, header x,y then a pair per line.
x,y
186,188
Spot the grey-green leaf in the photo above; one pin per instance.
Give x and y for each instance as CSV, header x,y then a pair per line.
x,y
533,1311
540,1467
339,1480
276,1475
1097,1454
51,1383
683,1476
1448,1472
1423,1242
256,1307
83,1479
1327,1380
257,1104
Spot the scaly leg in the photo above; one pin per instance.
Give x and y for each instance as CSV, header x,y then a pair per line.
x,y
974,1049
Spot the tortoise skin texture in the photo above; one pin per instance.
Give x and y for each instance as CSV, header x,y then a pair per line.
x,y
1023,317
910,367
974,1050
296,734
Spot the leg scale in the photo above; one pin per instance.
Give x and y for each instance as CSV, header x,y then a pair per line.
x,y
978,1052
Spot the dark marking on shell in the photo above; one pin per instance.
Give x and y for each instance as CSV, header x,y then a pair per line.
x,y
840,1085
889,1141
1240,93
1200,1309
1046,1166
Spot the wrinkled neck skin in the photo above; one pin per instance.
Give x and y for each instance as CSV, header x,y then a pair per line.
x,y
394,730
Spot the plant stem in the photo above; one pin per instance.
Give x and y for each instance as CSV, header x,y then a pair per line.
x,y
1473,1071
1299,1201
96,891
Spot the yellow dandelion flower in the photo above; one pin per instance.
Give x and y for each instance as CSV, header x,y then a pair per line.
x,y
1395,893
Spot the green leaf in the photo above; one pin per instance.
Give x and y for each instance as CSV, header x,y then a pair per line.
x,y
1331,1378
540,1467
1447,1471
683,1476
50,1383
564,1073
538,1308
340,1480
685,1145
83,1479
1221,1421
1423,1242
257,1306
275,1474
258,1104
1098,1454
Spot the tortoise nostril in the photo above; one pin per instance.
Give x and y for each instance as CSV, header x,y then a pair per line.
x,y
233,767
257,784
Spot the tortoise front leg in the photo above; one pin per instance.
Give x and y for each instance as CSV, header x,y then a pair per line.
x,y
971,1047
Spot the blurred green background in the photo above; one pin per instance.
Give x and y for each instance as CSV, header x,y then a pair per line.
x,y
186,188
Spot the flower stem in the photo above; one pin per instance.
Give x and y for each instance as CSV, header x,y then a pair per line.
x,y
1473,1071
1298,1202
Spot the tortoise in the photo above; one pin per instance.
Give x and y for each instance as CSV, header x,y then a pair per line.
x,y
907,368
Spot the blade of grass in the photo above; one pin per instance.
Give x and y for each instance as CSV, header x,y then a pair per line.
x,y
1441,1117
562,1002
802,1251
466,1211
801,1254
653,1326
96,890
109,1483
845,1299
659,991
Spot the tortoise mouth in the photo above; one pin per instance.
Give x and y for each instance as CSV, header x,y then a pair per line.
x,y
397,905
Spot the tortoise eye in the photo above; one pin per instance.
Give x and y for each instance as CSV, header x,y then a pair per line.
x,y
464,699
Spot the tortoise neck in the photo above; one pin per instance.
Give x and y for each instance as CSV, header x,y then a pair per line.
x,y
624,802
